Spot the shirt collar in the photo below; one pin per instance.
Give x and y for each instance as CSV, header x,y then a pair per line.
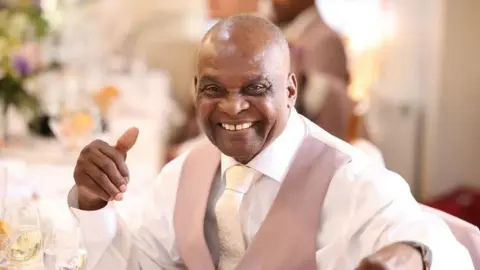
x,y
275,159
297,27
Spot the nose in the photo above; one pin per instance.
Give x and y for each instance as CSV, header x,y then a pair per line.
x,y
233,105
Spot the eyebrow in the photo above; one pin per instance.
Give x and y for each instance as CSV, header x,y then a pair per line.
x,y
250,79
208,78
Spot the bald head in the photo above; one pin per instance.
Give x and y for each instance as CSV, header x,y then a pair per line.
x,y
246,36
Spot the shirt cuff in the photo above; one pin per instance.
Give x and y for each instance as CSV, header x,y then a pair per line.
x,y
97,226
425,252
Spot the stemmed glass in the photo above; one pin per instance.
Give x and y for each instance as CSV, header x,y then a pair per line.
x,y
73,128
65,250
21,237
76,119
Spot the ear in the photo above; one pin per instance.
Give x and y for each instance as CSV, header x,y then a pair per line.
x,y
194,92
292,90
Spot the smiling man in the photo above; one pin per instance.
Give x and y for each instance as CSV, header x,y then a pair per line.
x,y
268,189
239,74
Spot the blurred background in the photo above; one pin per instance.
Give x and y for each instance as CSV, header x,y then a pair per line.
x,y
76,70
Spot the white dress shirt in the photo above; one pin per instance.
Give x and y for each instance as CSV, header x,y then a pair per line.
x,y
366,208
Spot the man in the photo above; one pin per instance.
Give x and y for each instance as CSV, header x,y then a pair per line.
x,y
319,59
320,63
251,212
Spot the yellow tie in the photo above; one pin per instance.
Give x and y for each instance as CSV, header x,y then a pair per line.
x,y
232,245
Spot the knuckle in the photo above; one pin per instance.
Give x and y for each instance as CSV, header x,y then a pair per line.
x,y
81,162
80,167
107,165
97,142
87,149
124,169
106,183
99,177
102,178
93,145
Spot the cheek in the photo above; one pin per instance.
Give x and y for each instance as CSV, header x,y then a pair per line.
x,y
267,108
204,109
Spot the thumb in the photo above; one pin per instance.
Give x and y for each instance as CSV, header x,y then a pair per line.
x,y
127,140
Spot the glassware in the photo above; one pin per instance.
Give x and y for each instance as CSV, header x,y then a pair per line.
x,y
76,119
21,237
65,250
74,128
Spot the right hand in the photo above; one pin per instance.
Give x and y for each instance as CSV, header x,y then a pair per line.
x,y
101,174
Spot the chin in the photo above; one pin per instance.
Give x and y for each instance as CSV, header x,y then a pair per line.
x,y
241,152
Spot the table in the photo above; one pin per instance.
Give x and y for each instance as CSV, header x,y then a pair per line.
x,y
42,167
52,177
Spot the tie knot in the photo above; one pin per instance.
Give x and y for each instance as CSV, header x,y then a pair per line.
x,y
238,178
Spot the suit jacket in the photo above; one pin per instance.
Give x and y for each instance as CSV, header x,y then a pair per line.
x,y
319,60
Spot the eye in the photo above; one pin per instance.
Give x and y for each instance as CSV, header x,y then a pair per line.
x,y
256,89
211,90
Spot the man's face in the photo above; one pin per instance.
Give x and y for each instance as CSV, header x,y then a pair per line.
x,y
243,98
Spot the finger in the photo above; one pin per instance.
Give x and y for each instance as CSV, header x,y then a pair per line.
x,y
127,141
95,188
109,168
104,182
118,158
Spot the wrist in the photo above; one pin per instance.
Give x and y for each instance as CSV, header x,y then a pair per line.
x,y
83,201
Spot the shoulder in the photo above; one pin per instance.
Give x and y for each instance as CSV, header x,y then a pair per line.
x,y
361,175
328,41
360,161
370,149
331,141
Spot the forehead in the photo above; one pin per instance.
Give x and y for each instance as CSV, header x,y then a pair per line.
x,y
240,62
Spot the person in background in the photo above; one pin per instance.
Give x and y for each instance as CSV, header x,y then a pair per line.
x,y
269,189
319,59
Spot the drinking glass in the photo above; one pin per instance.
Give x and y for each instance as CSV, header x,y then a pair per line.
x,y
21,237
65,250
74,128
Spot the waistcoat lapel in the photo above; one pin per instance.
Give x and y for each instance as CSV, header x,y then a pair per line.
x,y
198,173
287,237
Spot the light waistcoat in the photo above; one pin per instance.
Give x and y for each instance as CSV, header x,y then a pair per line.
x,y
286,239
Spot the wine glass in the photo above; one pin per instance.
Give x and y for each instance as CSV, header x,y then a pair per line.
x,y
75,119
21,237
65,250
74,128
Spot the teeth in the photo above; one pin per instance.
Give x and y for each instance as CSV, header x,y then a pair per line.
x,y
237,127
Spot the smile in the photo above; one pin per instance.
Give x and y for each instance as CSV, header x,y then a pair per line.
x,y
237,127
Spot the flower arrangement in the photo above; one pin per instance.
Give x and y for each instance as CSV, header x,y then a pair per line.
x,y
22,27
